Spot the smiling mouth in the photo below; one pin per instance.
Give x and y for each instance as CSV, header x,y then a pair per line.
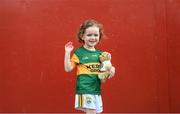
x,y
93,41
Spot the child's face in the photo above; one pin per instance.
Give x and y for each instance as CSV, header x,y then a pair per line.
x,y
91,36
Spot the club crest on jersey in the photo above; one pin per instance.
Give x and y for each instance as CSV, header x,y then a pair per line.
x,y
85,58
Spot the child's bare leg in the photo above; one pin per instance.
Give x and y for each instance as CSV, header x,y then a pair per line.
x,y
90,111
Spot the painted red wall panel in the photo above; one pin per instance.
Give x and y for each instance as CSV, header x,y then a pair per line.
x,y
173,34
138,33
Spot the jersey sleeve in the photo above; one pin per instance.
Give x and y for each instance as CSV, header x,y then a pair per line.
x,y
74,60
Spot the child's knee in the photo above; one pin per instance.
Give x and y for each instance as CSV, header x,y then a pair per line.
x,y
90,111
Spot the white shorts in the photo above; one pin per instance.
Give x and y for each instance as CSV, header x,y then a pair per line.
x,y
88,101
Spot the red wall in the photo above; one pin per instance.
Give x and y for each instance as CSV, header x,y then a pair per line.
x,y
142,35
173,47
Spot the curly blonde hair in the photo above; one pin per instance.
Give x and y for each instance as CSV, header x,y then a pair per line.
x,y
87,24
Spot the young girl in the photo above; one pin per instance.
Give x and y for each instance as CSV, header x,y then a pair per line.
x,y
86,59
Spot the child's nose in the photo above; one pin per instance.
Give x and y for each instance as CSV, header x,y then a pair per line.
x,y
93,37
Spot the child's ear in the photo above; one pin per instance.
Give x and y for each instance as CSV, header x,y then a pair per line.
x,y
82,38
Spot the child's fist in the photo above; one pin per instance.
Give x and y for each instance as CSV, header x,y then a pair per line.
x,y
69,47
103,75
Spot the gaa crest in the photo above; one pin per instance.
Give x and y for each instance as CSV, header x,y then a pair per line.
x,y
88,100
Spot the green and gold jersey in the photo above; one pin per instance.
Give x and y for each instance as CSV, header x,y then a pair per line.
x,y
88,67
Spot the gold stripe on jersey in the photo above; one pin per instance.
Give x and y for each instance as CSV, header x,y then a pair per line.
x,y
88,68
74,60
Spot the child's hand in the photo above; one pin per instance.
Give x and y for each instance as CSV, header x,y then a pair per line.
x,y
69,47
109,55
111,72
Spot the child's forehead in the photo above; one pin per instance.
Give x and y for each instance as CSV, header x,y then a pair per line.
x,y
92,29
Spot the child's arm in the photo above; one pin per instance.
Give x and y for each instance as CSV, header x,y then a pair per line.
x,y
67,63
112,72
